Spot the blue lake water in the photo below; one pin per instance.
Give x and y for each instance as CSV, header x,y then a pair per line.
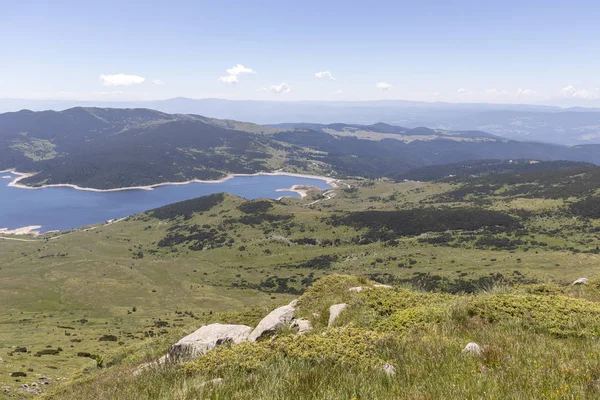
x,y
62,208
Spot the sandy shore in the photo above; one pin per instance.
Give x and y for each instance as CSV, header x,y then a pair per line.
x,y
21,176
302,190
26,230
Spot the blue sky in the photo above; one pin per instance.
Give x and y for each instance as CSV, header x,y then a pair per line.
x,y
525,51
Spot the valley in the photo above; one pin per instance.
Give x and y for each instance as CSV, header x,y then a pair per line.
x,y
121,292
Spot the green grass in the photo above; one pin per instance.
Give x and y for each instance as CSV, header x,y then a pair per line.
x,y
35,149
97,275
522,359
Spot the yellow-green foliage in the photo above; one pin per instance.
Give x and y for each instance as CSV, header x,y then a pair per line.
x,y
559,315
395,310
539,342
331,289
35,149
414,317
386,302
351,346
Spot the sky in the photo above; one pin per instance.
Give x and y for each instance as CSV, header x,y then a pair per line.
x,y
525,51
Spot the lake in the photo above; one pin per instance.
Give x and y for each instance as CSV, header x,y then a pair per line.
x,y
62,208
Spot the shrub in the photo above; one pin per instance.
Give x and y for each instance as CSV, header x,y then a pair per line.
x,y
558,315
347,346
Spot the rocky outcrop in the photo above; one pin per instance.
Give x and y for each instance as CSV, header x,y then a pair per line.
x,y
376,286
303,325
334,312
277,319
473,349
356,289
581,281
206,338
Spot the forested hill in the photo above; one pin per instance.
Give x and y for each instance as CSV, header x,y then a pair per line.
x,y
108,148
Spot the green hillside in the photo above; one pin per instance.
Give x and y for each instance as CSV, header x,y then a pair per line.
x,y
107,148
533,341
124,291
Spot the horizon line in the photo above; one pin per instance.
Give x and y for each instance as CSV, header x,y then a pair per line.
x,y
50,99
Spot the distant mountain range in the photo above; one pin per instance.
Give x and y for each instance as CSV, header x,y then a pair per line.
x,y
109,148
569,126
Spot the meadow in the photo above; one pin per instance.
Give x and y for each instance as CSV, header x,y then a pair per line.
x,y
91,303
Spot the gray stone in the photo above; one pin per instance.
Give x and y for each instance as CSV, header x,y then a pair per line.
x,y
581,281
205,339
276,320
473,349
303,325
389,369
334,312
382,286
356,289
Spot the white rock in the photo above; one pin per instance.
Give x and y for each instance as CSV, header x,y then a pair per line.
x,y
389,369
276,320
334,312
382,286
356,289
581,281
293,303
215,381
205,339
303,325
473,349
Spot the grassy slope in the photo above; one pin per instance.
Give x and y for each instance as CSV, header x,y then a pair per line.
x,y
95,275
538,342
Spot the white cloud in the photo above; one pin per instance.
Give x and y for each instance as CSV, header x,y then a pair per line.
x,y
240,69
121,80
338,91
525,92
463,91
229,79
383,86
234,72
158,82
279,89
325,75
573,92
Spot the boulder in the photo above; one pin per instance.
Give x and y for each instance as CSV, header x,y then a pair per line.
x,y
334,312
355,289
389,369
382,286
293,303
303,325
581,281
473,349
205,339
276,320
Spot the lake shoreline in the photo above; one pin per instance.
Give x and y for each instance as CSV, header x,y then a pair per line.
x,y
35,230
23,175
